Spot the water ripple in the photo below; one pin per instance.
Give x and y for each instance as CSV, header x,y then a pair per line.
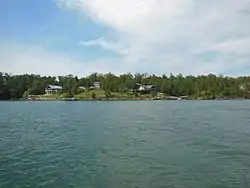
x,y
144,144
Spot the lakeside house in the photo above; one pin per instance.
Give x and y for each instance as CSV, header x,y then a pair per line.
x,y
146,88
53,89
96,85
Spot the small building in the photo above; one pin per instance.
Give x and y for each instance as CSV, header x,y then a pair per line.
x,y
53,89
96,85
146,88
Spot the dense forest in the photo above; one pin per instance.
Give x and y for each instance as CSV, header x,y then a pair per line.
x,y
206,86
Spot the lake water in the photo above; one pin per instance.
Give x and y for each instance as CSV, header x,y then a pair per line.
x,y
144,144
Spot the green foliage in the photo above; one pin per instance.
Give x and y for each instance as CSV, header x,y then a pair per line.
x,y
107,94
37,87
93,95
204,87
67,95
25,94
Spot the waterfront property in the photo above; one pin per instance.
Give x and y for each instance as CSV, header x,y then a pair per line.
x,y
146,88
53,89
96,85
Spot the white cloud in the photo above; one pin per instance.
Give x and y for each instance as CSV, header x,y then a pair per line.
x,y
169,35
154,36
20,59
25,59
234,47
100,42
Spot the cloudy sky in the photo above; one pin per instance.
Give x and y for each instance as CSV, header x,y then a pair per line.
x,y
58,37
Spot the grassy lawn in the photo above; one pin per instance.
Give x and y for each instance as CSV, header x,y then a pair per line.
x,y
53,96
99,94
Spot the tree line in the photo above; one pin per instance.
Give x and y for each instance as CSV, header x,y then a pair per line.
x,y
203,86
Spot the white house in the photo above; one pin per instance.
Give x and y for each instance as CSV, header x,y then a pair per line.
x,y
96,85
146,88
53,89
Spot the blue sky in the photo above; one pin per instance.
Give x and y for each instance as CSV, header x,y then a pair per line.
x,y
58,37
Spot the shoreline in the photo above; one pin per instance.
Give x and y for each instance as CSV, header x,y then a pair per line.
x,y
120,99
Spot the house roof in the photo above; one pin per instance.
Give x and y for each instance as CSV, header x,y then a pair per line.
x,y
54,87
82,87
146,87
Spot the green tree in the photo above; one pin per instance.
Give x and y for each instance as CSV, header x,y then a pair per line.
x,y
93,95
203,86
26,94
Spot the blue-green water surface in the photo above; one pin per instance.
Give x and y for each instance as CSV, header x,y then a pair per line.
x,y
144,144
